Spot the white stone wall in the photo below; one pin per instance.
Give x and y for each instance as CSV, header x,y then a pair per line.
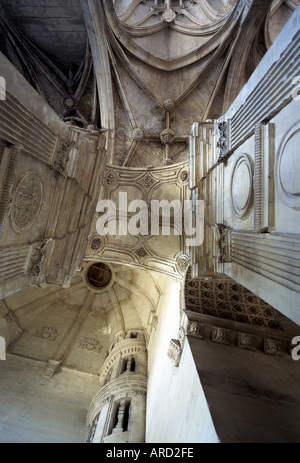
x,y
39,410
177,411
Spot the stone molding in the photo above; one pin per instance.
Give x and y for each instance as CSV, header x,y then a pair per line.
x,y
234,334
13,157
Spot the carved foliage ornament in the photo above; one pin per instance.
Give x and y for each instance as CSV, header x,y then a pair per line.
x,y
36,258
27,201
62,156
223,141
47,333
91,344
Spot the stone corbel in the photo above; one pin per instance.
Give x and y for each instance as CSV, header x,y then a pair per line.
x,y
36,259
51,368
223,243
175,351
176,347
62,155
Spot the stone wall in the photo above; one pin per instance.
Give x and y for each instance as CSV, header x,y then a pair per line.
x,y
36,410
176,413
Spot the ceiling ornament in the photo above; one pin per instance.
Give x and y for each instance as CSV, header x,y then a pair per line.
x,y
195,26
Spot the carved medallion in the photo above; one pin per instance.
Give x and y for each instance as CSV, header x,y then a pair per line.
x,y
27,201
91,344
148,181
220,335
272,346
242,186
47,333
287,168
246,341
96,244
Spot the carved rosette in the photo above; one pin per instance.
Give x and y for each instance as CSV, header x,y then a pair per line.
x,y
27,201
141,253
148,181
169,15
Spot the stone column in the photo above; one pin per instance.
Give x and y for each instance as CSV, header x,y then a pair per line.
x,y
118,412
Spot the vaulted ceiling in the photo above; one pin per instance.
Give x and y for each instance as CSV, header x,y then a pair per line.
x,y
167,65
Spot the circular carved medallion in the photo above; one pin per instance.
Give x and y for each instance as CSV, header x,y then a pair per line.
x,y
287,168
242,186
27,201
